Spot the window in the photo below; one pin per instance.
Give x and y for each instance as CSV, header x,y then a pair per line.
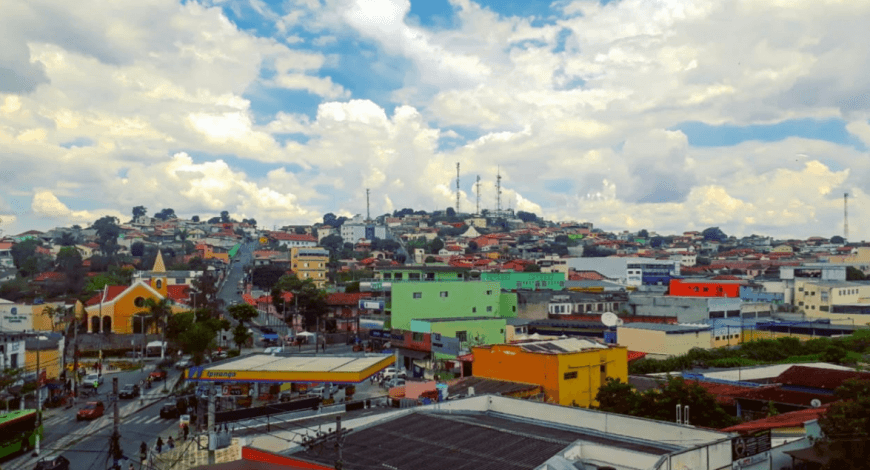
x,y
717,338
306,265
139,302
398,276
180,280
473,309
158,284
444,293
388,276
514,308
462,336
414,276
417,337
570,375
418,295
489,292
489,308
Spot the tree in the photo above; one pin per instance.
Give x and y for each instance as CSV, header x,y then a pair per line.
x,y
532,268
616,396
329,219
713,233
225,217
838,240
265,277
835,354
656,242
195,219
450,212
194,332
159,311
214,220
310,301
107,234
846,427
436,245
139,211
22,251
69,261
166,214
594,251
854,274
352,287
643,233
137,249
204,292
243,313
527,216
65,239
240,335
430,259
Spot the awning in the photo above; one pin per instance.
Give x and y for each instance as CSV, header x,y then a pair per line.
x,y
809,455
413,354
270,337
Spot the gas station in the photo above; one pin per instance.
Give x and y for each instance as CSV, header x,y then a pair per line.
x,y
272,369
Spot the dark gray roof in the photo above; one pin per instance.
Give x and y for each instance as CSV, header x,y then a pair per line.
x,y
460,441
483,386
518,321
668,329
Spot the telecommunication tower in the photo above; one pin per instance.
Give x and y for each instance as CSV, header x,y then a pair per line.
x,y
457,187
846,216
477,190
498,192
368,208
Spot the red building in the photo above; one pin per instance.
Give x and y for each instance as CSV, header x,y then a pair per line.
x,y
704,288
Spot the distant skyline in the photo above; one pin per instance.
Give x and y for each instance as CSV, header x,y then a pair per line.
x,y
665,115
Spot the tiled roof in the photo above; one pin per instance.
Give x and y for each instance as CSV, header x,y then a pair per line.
x,y
113,291
585,275
785,420
345,298
811,377
249,300
634,355
54,276
178,293
292,236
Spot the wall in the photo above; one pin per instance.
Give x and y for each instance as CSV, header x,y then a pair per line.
x,y
581,391
507,305
21,320
504,362
659,342
532,305
49,360
685,309
488,331
528,281
464,299
681,287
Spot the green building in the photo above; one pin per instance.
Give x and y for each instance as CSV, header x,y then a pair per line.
x,y
526,281
426,300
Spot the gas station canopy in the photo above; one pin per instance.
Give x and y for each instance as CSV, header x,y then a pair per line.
x,y
267,368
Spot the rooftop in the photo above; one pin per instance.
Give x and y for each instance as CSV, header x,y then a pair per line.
x,y
824,379
667,328
447,319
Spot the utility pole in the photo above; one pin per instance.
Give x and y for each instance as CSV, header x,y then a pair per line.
x,y
38,391
338,441
368,209
457,187
478,195
116,419
75,374
498,193
212,437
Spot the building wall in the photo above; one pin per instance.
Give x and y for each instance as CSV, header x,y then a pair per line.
x,y
464,299
477,331
11,347
16,317
308,266
532,305
123,309
681,287
512,363
49,360
526,281
661,343
818,300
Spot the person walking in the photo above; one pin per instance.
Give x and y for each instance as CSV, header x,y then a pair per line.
x,y
170,443
186,430
143,453
159,445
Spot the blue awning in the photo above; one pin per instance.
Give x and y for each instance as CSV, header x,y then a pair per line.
x,y
270,336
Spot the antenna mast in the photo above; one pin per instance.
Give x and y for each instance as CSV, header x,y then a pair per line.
x,y
457,187
368,208
846,216
498,192
477,188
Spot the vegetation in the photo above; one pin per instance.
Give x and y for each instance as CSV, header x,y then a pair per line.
x,y
195,332
660,404
765,351
846,427
310,301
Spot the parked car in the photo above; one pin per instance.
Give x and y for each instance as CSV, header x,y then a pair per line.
x,y
129,391
169,410
397,382
219,355
91,410
402,374
52,462
158,374
91,378
273,349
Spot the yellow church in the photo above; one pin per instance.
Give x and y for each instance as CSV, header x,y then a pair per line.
x,y
116,308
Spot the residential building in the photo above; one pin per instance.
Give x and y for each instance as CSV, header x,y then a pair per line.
x,y
570,370
12,350
6,255
513,281
579,303
660,340
310,263
630,271
291,240
684,309
352,233
704,288
422,300
47,351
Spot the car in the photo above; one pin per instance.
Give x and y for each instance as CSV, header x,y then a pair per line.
x,y
397,382
273,349
219,355
53,462
158,374
402,374
129,391
183,364
91,410
169,410
90,379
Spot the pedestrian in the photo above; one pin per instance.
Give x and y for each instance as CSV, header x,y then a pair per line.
x,y
143,453
131,466
159,445
186,429
170,443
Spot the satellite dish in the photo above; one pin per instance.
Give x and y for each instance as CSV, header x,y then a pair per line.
x,y
609,319
816,403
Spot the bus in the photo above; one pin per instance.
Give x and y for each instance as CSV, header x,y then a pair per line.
x,y
18,431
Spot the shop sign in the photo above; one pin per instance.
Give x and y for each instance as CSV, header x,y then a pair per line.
x,y
745,462
749,445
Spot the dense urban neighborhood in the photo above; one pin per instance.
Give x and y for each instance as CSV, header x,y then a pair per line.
x,y
488,340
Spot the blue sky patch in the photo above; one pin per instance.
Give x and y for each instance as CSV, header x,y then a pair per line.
x,y
433,14
267,102
524,9
561,185
706,135
78,142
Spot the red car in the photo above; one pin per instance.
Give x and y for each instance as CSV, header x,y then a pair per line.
x,y
158,374
91,410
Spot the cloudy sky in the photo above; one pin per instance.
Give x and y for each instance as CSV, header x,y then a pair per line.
x,y
668,115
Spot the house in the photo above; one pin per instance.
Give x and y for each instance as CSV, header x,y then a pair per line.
x,y
660,340
6,255
291,240
345,309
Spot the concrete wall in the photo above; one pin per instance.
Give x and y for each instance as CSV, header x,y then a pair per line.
x,y
463,299
660,343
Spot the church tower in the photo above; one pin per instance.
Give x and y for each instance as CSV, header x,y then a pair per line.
x,y
158,275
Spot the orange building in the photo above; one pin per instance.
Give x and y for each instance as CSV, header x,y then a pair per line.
x,y
569,370
691,288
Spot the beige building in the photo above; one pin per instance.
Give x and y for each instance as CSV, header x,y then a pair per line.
x,y
310,263
835,300
660,340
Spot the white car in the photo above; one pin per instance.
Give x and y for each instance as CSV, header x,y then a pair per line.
x,y
273,349
390,375
397,382
91,378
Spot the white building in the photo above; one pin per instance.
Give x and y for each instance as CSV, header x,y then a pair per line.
x,y
12,354
630,271
15,317
352,233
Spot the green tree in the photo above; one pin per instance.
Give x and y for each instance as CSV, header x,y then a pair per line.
x,y
436,245
69,261
137,249
527,216
159,311
195,332
204,292
26,259
846,427
65,239
643,233
430,259
310,301
166,214
107,234
225,217
240,335
835,354
616,396
243,313
195,219
532,268
854,274
139,211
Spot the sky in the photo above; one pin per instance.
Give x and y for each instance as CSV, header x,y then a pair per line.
x,y
665,115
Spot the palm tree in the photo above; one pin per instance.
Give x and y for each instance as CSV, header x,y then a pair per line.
x,y
159,310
